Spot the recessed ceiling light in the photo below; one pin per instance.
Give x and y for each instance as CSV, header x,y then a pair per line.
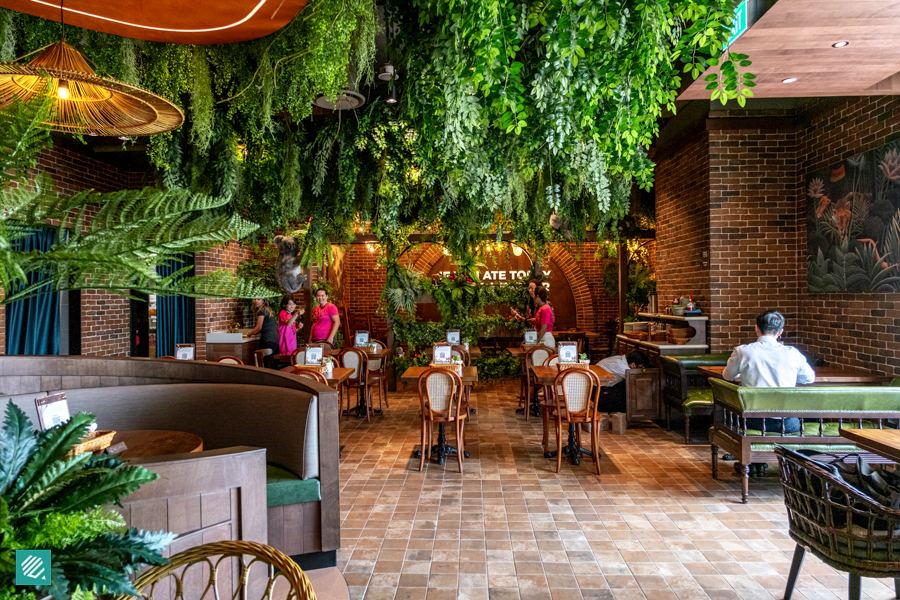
x,y
789,80
840,44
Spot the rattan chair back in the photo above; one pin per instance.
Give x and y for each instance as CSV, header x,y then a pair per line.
x,y
202,572
377,364
577,391
838,523
440,395
356,359
462,353
537,356
307,372
298,356
229,360
551,361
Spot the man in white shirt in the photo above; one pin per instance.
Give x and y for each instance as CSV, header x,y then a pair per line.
x,y
612,397
618,365
769,363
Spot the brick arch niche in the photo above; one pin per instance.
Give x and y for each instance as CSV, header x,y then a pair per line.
x,y
564,271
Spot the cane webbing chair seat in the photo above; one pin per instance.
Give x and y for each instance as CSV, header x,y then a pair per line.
x,y
229,360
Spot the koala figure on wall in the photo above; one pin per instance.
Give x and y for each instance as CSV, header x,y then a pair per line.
x,y
288,269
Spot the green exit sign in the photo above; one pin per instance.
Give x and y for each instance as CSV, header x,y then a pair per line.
x,y
739,24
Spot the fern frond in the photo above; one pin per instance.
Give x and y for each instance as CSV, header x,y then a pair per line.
x,y
22,136
17,442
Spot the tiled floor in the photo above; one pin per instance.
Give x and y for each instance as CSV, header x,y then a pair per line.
x,y
655,525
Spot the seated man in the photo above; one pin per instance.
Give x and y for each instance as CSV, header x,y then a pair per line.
x,y
769,363
612,397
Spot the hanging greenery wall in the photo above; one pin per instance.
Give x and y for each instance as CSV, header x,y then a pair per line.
x,y
522,116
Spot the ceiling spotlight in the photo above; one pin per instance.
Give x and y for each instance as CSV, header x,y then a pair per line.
x,y
62,90
789,80
840,44
392,96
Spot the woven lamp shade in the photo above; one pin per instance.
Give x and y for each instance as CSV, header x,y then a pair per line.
x,y
96,105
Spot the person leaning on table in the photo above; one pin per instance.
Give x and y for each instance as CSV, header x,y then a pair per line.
x,y
613,397
769,363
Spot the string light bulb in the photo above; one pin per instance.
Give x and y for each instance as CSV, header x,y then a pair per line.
x,y
62,89
517,251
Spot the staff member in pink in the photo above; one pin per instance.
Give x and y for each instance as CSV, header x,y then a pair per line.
x,y
543,319
325,319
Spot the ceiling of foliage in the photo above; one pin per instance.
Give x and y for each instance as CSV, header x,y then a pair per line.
x,y
794,40
173,21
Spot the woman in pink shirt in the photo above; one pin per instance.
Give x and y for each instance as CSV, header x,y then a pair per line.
x,y
325,319
288,325
543,319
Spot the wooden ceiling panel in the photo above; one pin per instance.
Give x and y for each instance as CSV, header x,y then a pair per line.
x,y
794,38
174,21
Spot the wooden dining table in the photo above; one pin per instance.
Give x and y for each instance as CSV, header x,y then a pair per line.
x,y
412,374
547,375
383,353
824,376
338,374
883,442
155,442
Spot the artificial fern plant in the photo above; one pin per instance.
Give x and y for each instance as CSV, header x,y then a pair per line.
x,y
110,241
49,500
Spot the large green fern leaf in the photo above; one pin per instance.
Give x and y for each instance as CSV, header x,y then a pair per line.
x,y
52,445
17,443
106,488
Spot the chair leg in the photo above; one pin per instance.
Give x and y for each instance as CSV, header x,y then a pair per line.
x,y
528,392
545,416
799,554
430,433
854,587
595,445
745,484
687,428
559,452
384,384
459,444
424,445
668,418
715,461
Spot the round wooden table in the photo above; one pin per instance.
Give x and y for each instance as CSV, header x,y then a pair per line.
x,y
156,442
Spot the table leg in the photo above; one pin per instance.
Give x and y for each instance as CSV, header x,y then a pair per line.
x,y
572,450
442,449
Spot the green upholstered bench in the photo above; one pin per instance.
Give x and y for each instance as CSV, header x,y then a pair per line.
x,y
283,488
823,412
686,390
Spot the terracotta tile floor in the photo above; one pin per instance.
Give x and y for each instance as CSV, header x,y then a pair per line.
x,y
655,525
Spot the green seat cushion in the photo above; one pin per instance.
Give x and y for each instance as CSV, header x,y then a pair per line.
x,y
764,447
283,488
697,398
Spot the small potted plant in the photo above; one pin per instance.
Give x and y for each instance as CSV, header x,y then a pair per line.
x,y
329,362
583,359
457,360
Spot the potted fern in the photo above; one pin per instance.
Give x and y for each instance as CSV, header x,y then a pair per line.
x,y
52,501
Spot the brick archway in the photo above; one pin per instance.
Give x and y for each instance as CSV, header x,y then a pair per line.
x,y
584,304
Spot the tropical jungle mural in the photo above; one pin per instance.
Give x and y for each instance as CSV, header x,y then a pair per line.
x,y
853,224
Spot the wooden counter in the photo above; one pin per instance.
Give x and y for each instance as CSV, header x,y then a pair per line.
x,y
243,350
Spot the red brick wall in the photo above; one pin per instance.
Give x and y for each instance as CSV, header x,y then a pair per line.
x,y
218,314
104,316
755,259
682,221
861,330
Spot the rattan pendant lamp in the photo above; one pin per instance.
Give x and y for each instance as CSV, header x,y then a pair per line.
x,y
84,102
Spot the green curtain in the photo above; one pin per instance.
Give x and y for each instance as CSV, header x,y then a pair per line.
x,y
174,314
32,325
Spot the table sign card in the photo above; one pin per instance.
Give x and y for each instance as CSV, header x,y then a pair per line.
x,y
531,336
453,337
443,353
314,354
568,352
361,338
52,410
184,351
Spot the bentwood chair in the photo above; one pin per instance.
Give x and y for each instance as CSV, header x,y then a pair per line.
x,y
576,392
535,356
229,360
204,572
359,380
306,372
462,353
259,356
378,376
838,523
548,402
298,357
441,400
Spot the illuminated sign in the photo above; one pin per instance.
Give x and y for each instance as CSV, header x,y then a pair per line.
x,y
739,23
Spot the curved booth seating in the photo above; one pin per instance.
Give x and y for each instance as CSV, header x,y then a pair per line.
x,y
235,410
